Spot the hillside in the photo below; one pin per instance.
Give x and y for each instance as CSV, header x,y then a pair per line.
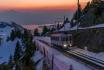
x,y
16,47
93,14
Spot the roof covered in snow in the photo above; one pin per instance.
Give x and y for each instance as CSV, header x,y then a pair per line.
x,y
66,27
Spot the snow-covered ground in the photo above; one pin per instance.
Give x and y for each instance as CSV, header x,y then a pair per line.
x,y
6,48
38,57
60,61
95,55
5,32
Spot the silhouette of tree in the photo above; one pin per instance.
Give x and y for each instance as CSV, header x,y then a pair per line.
x,y
97,13
45,30
36,32
10,63
85,10
17,55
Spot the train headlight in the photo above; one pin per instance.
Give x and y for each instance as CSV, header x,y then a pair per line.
x,y
65,45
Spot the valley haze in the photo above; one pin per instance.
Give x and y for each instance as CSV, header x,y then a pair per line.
x,y
35,16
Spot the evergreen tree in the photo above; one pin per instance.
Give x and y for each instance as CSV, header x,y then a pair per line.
x,y
97,13
12,35
10,63
25,36
17,55
4,66
18,34
58,26
36,32
45,30
77,14
29,52
85,10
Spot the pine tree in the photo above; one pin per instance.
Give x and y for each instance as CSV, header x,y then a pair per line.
x,y
12,35
97,13
18,34
25,36
10,63
85,10
29,52
45,30
17,55
78,13
36,32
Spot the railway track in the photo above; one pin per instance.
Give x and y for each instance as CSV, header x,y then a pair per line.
x,y
95,63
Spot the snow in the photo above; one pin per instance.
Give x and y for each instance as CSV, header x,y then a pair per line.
x,y
40,65
66,27
46,39
74,28
95,55
6,48
97,26
61,62
37,56
90,27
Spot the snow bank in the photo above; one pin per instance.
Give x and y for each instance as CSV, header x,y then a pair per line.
x,y
46,39
37,56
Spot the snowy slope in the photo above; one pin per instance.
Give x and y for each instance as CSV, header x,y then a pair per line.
x,y
5,32
6,48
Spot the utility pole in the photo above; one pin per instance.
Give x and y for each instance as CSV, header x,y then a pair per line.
x,y
78,13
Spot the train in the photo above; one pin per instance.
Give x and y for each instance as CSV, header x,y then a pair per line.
x,y
61,39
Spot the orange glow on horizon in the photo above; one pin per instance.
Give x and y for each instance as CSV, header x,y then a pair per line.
x,y
40,4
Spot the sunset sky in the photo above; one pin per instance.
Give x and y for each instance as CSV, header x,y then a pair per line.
x,y
37,11
38,4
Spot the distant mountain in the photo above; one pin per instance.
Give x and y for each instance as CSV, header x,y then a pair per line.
x,y
4,24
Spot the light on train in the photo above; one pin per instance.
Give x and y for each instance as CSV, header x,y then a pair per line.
x,y
65,45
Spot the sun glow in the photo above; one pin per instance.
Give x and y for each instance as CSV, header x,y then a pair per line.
x,y
39,4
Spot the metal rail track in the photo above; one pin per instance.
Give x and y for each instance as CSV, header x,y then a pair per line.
x,y
91,61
